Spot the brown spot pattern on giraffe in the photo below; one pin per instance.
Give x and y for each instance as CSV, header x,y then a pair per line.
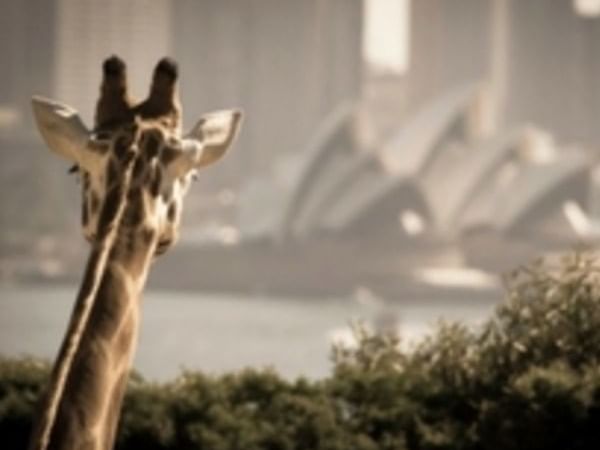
x,y
109,211
84,211
94,202
156,181
168,155
172,212
122,148
113,174
151,142
148,235
135,207
138,168
99,147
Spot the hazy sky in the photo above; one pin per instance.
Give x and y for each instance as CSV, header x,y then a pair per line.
x,y
386,38
588,7
385,42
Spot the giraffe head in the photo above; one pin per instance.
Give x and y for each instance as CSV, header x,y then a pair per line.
x,y
135,165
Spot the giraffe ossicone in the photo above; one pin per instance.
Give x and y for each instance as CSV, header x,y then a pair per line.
x,y
135,167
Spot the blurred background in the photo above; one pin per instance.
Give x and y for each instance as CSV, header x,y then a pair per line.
x,y
396,159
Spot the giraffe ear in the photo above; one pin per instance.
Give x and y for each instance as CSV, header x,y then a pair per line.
x,y
61,128
212,136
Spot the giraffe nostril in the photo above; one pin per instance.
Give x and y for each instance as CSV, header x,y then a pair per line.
x,y
128,156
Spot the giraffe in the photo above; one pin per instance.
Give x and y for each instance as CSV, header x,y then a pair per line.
x,y
135,167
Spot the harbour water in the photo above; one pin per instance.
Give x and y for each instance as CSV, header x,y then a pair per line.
x,y
217,333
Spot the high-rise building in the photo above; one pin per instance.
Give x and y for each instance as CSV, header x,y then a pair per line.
x,y
286,63
554,69
27,58
89,31
541,58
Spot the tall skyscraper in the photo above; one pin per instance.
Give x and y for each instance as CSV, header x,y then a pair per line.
x,y
89,31
27,58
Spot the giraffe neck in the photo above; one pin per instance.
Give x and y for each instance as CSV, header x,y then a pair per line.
x,y
88,411
92,386
81,406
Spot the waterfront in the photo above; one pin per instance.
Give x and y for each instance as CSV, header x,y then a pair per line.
x,y
223,332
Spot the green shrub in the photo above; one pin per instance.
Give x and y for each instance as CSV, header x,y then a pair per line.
x,y
522,381
21,381
368,389
146,422
540,409
529,378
